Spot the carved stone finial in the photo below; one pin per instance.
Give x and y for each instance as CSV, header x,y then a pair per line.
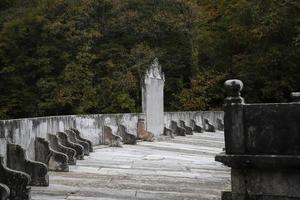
x,y
233,88
295,96
154,70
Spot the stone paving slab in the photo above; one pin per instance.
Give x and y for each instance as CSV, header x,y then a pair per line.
x,y
181,168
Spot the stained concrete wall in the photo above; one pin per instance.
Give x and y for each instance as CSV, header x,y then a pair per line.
x,y
24,131
153,98
198,116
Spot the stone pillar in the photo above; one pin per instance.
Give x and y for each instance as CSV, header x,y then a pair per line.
x,y
153,98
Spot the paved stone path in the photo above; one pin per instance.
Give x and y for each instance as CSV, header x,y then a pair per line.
x,y
181,168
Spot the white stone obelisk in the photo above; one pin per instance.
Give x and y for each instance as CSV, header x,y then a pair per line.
x,y
153,98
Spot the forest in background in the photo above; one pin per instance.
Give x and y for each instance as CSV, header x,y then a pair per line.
x,y
88,56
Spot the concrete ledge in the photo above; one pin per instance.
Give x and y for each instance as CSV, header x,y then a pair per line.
x,y
17,160
78,135
56,146
259,161
16,181
73,138
55,161
65,140
4,192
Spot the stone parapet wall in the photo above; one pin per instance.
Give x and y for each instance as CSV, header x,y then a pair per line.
x,y
24,131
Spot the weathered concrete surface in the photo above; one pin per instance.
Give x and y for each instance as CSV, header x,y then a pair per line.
x,y
181,168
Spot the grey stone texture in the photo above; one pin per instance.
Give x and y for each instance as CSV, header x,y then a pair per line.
x,y
16,181
189,130
17,160
4,192
112,139
79,137
168,132
128,138
177,130
57,146
153,98
24,131
220,124
55,161
143,134
196,128
73,138
262,147
64,139
208,127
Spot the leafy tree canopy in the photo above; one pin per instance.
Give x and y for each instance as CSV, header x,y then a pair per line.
x,y
88,56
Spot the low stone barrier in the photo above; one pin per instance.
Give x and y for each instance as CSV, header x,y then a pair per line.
x,y
4,192
56,146
195,127
78,135
208,127
189,130
262,147
17,160
55,161
16,181
177,130
142,134
64,140
127,137
73,138
112,139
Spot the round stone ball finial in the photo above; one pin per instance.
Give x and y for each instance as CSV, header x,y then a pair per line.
x,y
233,88
295,96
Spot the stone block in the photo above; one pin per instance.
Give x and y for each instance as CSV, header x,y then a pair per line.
x,y
189,130
208,127
4,192
195,127
64,139
177,130
220,124
110,138
127,137
56,146
142,134
78,134
262,147
73,138
17,160
168,132
55,161
16,181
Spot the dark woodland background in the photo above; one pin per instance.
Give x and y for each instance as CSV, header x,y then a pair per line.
x,y
87,56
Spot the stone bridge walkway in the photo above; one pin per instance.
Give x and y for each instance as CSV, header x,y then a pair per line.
x,y
182,168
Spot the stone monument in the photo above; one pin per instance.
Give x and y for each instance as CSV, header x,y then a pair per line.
x,y
153,98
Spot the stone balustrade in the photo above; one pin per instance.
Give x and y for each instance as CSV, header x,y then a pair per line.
x,y
262,147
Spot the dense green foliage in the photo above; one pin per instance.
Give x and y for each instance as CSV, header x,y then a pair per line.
x,y
88,56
